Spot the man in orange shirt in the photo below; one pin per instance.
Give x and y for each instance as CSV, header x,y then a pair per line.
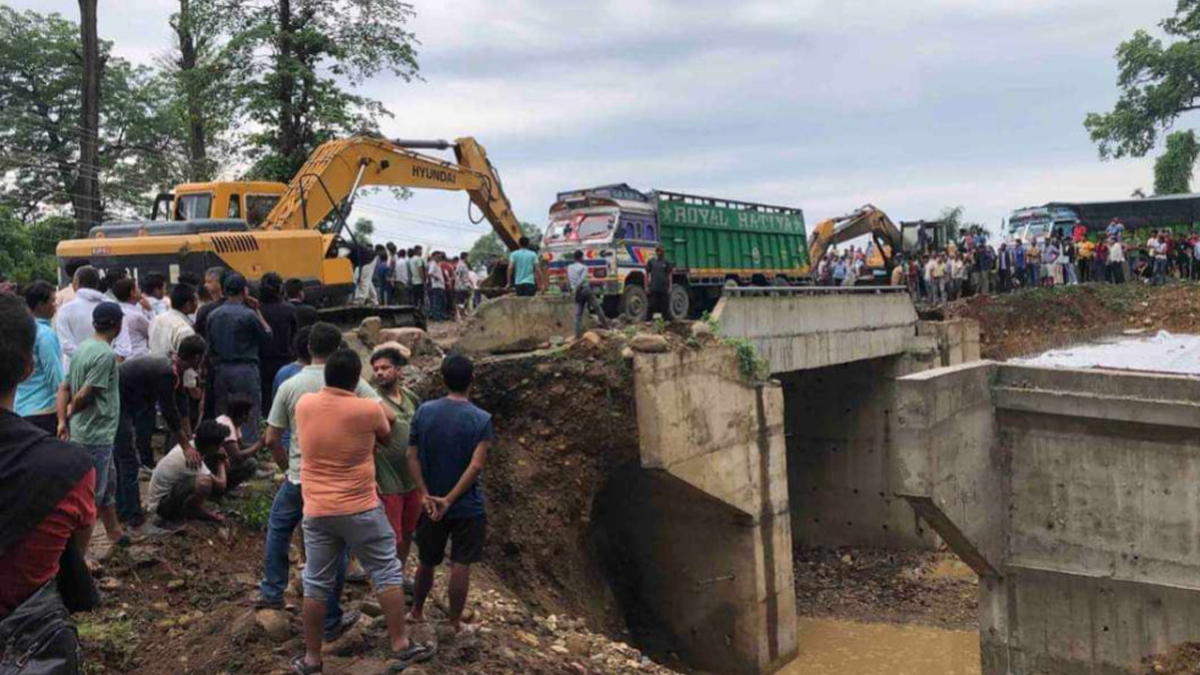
x,y
341,509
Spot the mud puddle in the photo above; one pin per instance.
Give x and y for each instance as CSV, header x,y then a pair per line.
x,y
835,647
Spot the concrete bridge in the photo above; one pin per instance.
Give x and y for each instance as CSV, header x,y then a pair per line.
x,y
1075,495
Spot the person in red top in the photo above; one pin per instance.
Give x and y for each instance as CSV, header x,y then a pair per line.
x,y
47,494
448,272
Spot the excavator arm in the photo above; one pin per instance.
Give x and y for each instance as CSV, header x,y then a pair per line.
x,y
867,220
336,170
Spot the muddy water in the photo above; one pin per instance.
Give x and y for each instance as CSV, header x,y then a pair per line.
x,y
833,647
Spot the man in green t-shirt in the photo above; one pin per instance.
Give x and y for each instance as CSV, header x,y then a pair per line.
x,y
89,404
397,490
523,271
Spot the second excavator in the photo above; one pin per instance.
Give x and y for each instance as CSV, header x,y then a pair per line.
x,y
305,235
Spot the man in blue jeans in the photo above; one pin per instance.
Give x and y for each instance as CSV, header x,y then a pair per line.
x,y
287,511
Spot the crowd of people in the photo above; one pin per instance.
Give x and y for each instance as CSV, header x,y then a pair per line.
x,y
973,265
85,373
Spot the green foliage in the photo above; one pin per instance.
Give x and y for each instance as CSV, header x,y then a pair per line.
x,y
490,245
712,322
296,62
40,81
952,221
253,504
753,366
27,249
659,325
364,229
1159,81
1173,169
201,104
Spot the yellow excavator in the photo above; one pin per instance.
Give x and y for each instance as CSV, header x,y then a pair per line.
x,y
886,238
304,234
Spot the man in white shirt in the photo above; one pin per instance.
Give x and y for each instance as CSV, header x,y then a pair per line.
x,y
178,492
137,319
403,276
154,290
437,289
462,283
73,322
169,329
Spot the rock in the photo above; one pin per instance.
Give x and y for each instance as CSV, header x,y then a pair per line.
x,y
649,344
275,623
578,645
701,329
352,642
410,337
243,628
591,338
528,639
369,331
160,606
144,556
627,353
557,340
558,649
175,584
110,584
370,609
245,579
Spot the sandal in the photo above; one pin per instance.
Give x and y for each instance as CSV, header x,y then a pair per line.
x,y
299,667
416,652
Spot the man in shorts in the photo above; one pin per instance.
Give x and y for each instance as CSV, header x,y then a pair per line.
x,y
397,491
448,447
341,509
178,491
89,411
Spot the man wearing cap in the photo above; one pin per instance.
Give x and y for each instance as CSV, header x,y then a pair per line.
x,y
236,330
89,409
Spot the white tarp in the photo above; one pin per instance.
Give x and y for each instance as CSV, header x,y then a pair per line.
x,y
1163,353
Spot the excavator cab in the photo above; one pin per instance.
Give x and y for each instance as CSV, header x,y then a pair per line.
x,y
250,201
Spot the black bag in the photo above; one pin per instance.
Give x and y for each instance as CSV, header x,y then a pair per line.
x,y
38,638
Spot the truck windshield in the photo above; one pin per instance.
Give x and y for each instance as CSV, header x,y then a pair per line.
x,y
581,227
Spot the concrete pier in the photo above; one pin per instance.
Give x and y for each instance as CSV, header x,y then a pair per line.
x,y
1074,495
718,547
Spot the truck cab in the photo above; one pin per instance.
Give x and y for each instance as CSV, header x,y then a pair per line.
x,y
250,201
616,227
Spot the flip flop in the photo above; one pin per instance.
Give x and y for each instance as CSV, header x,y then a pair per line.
x,y
299,667
416,652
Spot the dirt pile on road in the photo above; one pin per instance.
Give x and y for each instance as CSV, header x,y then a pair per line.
x,y
1029,322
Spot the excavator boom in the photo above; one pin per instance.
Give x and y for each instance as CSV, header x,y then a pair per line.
x,y
867,220
337,169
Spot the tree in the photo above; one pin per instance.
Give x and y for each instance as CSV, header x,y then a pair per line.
x,y
297,59
86,194
1159,83
203,101
1173,169
364,229
41,81
27,250
490,244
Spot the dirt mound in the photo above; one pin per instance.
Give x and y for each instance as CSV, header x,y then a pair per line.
x,y
564,421
181,604
877,585
1028,322
1183,659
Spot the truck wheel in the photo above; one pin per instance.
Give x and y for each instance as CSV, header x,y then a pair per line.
x,y
634,303
677,303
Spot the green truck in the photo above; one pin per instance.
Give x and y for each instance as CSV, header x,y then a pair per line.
x,y
712,242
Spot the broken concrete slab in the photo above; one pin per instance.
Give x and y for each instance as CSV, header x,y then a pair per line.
x,y
511,324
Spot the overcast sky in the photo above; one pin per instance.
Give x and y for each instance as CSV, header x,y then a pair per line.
x,y
826,105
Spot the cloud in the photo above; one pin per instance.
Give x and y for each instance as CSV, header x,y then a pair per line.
x,y
822,104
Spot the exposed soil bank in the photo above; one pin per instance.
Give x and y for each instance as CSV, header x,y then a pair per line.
x,y
1032,321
